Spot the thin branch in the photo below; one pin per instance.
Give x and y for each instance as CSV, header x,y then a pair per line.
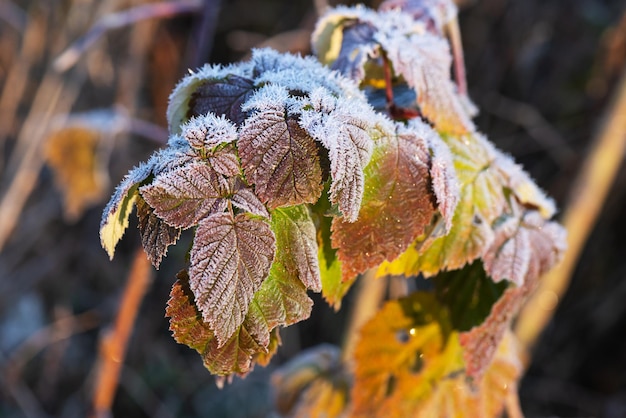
x,y
114,343
586,201
70,56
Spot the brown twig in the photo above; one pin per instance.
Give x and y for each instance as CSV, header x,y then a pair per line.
x,y
586,200
113,344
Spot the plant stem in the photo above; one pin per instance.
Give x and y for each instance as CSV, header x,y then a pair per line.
x,y
113,344
586,201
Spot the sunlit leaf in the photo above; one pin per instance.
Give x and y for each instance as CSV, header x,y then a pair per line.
x,y
115,216
484,397
409,364
156,235
403,354
280,158
72,154
233,356
221,97
312,384
524,188
547,244
396,208
508,258
185,195
230,259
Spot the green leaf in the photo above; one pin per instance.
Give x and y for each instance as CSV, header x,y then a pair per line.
x,y
230,259
296,241
115,216
397,205
333,287
185,195
280,158
468,293
156,235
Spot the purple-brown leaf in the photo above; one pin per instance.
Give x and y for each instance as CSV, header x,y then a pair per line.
x,y
156,235
230,259
185,195
280,158
221,97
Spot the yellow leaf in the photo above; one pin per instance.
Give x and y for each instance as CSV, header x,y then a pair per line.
x,y
409,363
71,153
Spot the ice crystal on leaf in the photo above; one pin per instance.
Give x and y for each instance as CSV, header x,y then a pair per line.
x,y
343,127
230,258
208,131
280,158
185,195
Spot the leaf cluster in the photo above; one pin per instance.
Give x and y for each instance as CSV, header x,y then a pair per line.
x,y
293,177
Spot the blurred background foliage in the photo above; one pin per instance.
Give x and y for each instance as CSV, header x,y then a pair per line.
x,y
541,71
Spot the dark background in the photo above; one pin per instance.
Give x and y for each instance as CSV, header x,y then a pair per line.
x,y
541,71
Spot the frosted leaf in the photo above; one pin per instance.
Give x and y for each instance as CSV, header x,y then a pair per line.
x,y
267,59
509,255
205,132
156,235
185,195
424,61
230,259
115,216
178,110
524,188
245,199
296,73
357,47
435,14
474,162
279,157
221,97
176,155
342,126
445,184
397,205
225,161
546,244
